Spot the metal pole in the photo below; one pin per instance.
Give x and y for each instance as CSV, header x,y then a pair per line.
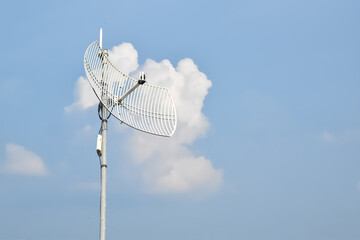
x,y
103,168
103,164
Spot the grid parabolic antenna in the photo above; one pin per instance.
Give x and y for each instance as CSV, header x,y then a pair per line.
x,y
140,105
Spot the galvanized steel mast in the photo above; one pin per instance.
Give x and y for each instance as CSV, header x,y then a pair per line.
x,y
103,163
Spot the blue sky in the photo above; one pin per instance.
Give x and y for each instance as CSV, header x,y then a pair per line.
x,y
281,134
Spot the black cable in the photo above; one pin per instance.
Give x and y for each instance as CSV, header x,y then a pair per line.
x,y
100,110
110,112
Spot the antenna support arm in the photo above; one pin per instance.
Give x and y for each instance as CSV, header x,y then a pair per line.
x,y
141,81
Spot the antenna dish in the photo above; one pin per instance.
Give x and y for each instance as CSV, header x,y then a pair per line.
x,y
136,103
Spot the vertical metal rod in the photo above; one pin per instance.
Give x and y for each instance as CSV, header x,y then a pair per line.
x,y
100,43
103,168
103,164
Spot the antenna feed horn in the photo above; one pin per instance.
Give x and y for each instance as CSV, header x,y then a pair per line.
x,y
142,78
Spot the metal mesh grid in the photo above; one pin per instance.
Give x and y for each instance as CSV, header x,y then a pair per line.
x,y
148,108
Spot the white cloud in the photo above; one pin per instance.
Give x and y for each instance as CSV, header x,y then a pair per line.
x,y
87,128
328,137
23,162
124,56
340,137
187,174
84,95
166,164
